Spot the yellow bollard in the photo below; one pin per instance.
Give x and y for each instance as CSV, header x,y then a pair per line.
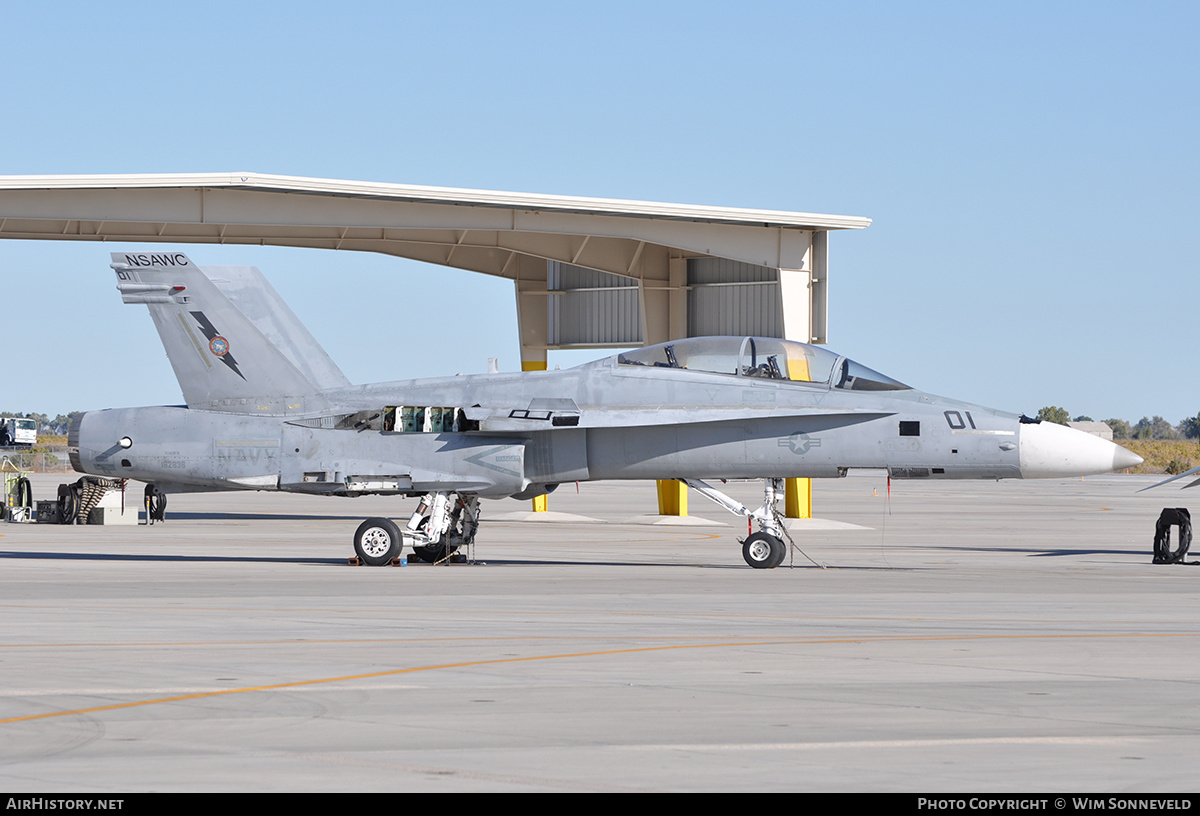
x,y
797,498
672,498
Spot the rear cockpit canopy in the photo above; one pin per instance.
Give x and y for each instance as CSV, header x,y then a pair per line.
x,y
763,358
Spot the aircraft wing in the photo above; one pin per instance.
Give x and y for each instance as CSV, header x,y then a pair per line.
x,y
560,414
1191,472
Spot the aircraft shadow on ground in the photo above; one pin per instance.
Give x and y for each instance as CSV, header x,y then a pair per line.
x,y
1036,552
337,561
225,516
68,556
1056,553
342,561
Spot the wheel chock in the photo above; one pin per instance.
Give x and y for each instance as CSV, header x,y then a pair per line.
x,y
355,561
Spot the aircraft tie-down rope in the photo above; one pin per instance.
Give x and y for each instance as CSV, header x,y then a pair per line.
x,y
792,547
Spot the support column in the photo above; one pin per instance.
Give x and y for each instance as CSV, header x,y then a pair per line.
x,y
532,326
532,320
672,498
819,319
654,292
540,503
677,323
671,324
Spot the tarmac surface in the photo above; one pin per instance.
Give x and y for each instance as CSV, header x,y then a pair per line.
x,y
966,636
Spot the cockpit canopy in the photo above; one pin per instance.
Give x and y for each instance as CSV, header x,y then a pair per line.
x,y
764,358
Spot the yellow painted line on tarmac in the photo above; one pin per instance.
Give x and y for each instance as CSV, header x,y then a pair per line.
x,y
569,655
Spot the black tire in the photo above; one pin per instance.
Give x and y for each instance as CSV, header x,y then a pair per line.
x,y
763,551
156,504
377,542
24,493
431,554
434,552
1172,516
68,504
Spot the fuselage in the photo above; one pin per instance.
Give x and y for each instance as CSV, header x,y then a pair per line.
x,y
624,417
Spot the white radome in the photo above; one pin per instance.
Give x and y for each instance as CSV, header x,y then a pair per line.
x,y
1049,450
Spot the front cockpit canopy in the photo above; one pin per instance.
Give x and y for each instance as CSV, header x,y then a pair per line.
x,y
763,358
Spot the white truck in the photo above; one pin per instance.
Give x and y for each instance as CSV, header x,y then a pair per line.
x,y
15,431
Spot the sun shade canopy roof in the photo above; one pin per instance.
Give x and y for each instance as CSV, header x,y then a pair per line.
x,y
480,230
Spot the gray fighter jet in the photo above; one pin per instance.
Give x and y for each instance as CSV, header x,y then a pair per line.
x,y
267,409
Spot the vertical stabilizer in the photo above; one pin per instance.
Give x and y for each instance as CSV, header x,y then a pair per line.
x,y
222,360
256,298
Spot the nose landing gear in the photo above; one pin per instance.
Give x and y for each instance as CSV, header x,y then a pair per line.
x,y
764,549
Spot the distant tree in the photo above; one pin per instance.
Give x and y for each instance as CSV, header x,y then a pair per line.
x,y
1141,430
62,422
1163,429
1189,428
1120,428
1052,413
1156,428
1083,418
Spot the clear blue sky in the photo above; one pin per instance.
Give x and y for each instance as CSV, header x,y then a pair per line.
x,y
1031,171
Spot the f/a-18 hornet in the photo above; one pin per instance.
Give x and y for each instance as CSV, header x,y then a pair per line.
x,y
267,409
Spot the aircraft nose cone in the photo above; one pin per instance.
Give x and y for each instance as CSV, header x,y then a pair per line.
x,y
1049,450
1126,459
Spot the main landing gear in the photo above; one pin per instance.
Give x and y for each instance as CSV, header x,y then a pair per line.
x,y
377,542
764,549
444,523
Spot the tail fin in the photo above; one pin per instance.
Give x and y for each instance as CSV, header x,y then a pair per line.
x,y
223,361
257,299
